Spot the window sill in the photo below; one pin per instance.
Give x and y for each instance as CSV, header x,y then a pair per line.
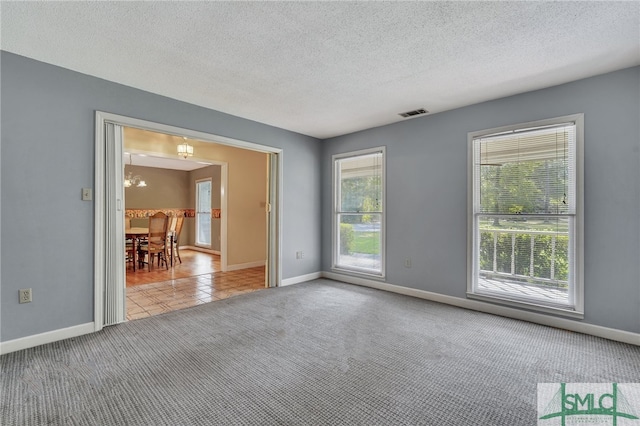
x,y
529,305
358,273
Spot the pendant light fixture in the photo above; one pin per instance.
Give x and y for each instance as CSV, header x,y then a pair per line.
x,y
184,149
133,180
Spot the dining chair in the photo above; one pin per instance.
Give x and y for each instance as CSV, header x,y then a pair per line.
x,y
128,242
128,251
171,226
174,241
156,241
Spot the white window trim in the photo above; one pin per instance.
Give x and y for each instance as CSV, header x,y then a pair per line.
x,y
578,269
383,222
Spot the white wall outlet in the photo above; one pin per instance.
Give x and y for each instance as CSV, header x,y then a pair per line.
x,y
407,262
299,255
24,295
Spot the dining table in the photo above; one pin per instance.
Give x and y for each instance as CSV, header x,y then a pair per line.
x,y
135,233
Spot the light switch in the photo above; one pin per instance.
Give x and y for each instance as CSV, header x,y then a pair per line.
x,y
87,194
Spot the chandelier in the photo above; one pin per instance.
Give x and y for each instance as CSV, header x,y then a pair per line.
x,y
133,180
184,149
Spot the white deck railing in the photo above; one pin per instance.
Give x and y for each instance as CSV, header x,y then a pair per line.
x,y
512,273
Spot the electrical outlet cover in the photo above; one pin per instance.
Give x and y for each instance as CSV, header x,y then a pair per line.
x,y
24,295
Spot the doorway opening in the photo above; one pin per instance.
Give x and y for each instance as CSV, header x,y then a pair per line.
x,y
230,256
189,190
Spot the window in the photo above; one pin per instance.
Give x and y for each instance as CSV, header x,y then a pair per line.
x,y
525,213
358,220
203,213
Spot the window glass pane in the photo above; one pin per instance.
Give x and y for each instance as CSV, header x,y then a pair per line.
x,y
204,229
360,183
203,213
360,241
204,196
524,257
514,238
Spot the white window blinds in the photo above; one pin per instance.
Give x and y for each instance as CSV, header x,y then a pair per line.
x,y
529,171
360,183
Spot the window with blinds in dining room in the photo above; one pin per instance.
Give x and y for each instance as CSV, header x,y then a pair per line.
x,y
525,214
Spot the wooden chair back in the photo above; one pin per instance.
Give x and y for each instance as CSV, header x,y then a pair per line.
x,y
177,228
157,231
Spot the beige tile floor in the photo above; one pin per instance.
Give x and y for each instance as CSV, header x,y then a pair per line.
x,y
145,300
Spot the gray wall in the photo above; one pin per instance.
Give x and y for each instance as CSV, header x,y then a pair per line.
x,y
427,190
47,156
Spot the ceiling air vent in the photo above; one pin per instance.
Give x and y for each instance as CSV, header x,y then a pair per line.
x,y
413,113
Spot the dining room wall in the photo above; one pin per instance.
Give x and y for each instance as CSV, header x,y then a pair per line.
x,y
166,189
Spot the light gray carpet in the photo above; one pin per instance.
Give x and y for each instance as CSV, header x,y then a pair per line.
x,y
319,353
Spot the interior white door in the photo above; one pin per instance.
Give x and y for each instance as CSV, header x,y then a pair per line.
x,y
114,255
272,269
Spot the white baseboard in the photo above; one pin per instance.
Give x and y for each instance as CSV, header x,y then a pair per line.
x,y
576,326
300,279
43,338
475,305
238,266
202,249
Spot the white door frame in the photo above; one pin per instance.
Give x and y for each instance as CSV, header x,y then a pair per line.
x,y
106,182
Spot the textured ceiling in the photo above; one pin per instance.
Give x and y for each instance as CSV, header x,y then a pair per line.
x,y
328,68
